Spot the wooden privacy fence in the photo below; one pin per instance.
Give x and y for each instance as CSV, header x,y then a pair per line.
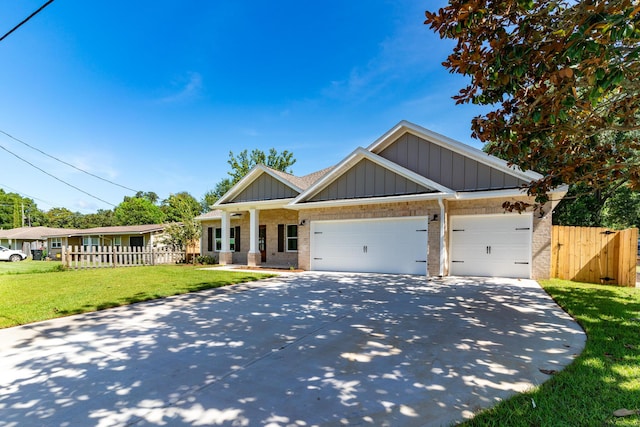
x,y
78,257
594,255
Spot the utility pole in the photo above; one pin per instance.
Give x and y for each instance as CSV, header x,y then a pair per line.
x,y
23,214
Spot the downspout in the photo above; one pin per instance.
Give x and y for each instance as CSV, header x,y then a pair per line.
x,y
443,255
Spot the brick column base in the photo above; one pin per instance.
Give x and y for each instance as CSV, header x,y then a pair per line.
x,y
254,259
226,258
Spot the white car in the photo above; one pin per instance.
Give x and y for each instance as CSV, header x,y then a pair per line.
x,y
12,255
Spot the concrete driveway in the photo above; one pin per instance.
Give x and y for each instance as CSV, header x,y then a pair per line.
x,y
300,350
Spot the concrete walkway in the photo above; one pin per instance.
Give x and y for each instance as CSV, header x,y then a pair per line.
x,y
298,350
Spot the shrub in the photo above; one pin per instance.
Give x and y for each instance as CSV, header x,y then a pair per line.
x,y
207,259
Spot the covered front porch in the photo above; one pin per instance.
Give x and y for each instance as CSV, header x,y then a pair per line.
x,y
253,236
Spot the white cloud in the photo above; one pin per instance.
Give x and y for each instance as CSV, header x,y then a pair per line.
x,y
189,87
412,50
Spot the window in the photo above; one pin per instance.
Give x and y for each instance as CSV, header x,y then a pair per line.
x,y
292,238
117,241
218,239
210,239
56,242
88,241
234,239
287,238
136,241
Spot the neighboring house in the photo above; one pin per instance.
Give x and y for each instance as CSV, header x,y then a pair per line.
x,y
26,238
413,202
127,235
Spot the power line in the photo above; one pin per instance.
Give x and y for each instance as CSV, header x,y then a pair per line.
x,y
26,19
66,163
55,177
26,195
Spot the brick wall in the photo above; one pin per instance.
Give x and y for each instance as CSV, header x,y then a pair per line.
x,y
382,210
270,218
541,239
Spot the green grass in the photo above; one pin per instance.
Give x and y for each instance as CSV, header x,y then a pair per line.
x,y
28,266
604,378
26,298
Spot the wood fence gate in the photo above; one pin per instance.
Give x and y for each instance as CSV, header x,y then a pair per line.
x,y
594,255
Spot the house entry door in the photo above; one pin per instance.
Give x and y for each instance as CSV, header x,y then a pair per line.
x,y
262,242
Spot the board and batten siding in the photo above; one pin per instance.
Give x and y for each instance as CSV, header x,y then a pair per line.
x,y
368,179
265,187
446,167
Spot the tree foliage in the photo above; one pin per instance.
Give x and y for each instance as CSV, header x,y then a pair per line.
x,y
559,75
184,230
16,210
616,207
101,218
176,206
242,164
62,218
137,211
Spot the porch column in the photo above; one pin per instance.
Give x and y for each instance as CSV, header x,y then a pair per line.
x,y
443,243
226,256
253,257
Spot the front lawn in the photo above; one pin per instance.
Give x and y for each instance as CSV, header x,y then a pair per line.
x,y
28,266
26,298
603,379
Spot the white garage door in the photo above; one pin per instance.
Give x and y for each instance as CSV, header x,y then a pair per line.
x,y
491,245
394,245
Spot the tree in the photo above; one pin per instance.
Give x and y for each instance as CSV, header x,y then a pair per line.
x,y
137,211
149,195
242,164
560,75
622,210
177,205
16,211
62,218
212,196
102,218
187,231
614,207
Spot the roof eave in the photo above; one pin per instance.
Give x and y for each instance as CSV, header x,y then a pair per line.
x,y
372,200
444,141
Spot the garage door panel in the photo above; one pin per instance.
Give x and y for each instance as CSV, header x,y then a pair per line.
x,y
491,245
397,245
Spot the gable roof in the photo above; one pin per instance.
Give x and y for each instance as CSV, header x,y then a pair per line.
x,y
422,185
391,136
424,164
290,186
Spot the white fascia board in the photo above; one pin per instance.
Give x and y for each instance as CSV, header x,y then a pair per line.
x,y
463,149
371,201
346,163
406,173
510,192
257,204
247,180
239,186
352,159
491,194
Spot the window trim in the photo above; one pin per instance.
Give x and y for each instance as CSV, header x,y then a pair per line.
x,y
232,238
91,240
289,238
56,242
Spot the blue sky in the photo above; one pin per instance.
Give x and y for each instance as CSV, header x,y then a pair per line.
x,y
154,94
